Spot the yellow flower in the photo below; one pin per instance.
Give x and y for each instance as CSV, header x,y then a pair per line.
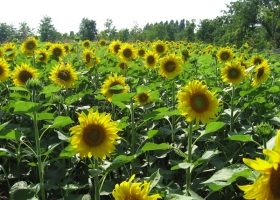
x,y
87,57
22,73
64,75
95,136
86,43
225,54
48,45
4,70
115,47
66,47
267,186
143,98
159,47
127,52
102,42
11,50
133,191
197,102
262,72
42,55
123,64
29,46
170,66
257,60
141,52
118,82
233,73
57,51
151,59
1,52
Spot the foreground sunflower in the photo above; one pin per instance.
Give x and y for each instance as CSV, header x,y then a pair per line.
x,y
4,70
197,102
118,82
10,49
29,46
143,98
42,55
151,59
267,185
133,191
57,51
95,136
159,47
225,54
64,75
22,73
170,66
262,72
115,47
233,73
127,52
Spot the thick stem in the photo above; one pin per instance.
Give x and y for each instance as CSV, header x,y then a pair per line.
x,y
188,172
96,181
231,109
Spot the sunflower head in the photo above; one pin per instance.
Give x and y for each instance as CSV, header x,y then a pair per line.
x,y
57,51
151,59
262,72
225,54
159,47
48,45
29,46
123,65
257,60
127,52
10,49
22,73
66,47
95,135
141,52
64,75
114,85
170,66
102,43
197,102
115,46
143,98
42,55
4,70
233,73
86,43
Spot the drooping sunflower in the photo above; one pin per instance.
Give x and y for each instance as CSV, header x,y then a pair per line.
x,y
66,47
197,102
4,70
127,52
129,190
29,46
159,47
170,66
262,72
114,85
95,135
141,52
42,55
267,184
225,54
102,43
86,43
57,51
257,60
233,73
123,64
115,47
10,49
151,59
22,73
64,75
87,57
143,98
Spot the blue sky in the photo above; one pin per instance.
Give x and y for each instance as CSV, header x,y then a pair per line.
x,y
67,14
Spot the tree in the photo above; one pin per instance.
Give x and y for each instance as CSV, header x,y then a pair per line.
x,y
123,35
47,30
135,32
182,25
205,31
110,30
7,32
87,30
24,31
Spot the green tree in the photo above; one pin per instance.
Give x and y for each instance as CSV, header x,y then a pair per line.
x,y
7,32
110,29
24,31
205,31
87,30
47,30
135,32
123,35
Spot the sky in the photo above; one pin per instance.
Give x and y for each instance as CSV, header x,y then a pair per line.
x,y
67,15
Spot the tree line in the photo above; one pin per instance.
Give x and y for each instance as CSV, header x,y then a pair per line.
x,y
254,21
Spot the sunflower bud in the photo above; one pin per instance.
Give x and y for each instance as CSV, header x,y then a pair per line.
x,y
34,84
264,129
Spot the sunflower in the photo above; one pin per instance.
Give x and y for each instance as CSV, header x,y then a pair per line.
x,y
170,66
66,47
257,60
233,73
57,51
64,75
141,52
87,57
243,62
1,52
4,70
123,64
151,59
48,45
86,43
143,98
262,72
29,46
115,46
129,190
22,73
267,185
224,54
42,55
95,136
159,47
127,52
118,82
197,102
102,43
10,50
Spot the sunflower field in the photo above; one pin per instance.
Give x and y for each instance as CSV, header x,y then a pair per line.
x,y
146,120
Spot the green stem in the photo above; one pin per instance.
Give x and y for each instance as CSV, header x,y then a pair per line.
x,y
132,132
173,108
188,173
231,109
96,181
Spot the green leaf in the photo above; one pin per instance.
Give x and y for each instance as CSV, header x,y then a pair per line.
x,y
6,152
213,127
50,89
10,134
142,88
154,179
73,98
19,88
68,152
122,97
152,133
3,125
61,121
177,197
120,161
45,116
95,172
274,89
241,138
152,146
22,107
20,190
184,165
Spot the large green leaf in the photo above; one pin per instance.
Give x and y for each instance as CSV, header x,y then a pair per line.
x,y
149,146
61,121
10,134
120,161
214,127
22,107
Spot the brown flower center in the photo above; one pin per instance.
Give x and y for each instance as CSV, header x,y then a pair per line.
x,y
123,65
141,52
43,57
127,53
170,66
233,73
159,48
260,72
93,135
199,102
1,70
275,182
151,59
225,56
116,48
64,75
30,46
88,58
24,76
257,61
57,52
86,44
143,98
